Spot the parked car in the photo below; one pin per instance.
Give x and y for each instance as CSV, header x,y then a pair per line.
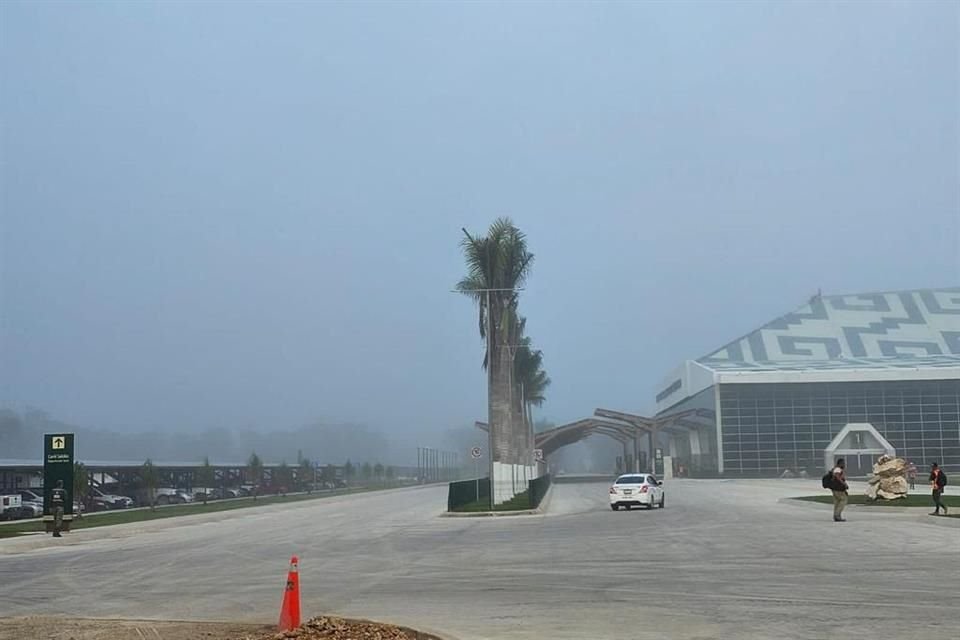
x,y
29,509
97,504
111,500
222,493
28,495
248,490
637,489
213,493
10,506
167,495
226,492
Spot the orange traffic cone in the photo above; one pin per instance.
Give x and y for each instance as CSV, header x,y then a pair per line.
x,y
290,608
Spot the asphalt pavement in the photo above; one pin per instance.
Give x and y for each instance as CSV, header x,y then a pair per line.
x,y
724,559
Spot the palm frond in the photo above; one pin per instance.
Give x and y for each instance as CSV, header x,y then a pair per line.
x,y
497,264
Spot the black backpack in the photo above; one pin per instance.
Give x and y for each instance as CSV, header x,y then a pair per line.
x,y
827,480
944,477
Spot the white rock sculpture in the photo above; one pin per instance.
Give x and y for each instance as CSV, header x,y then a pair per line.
x,y
889,479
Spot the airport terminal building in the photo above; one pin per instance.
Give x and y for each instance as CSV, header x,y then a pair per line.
x,y
848,375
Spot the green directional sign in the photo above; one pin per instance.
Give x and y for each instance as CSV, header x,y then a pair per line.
x,y
57,467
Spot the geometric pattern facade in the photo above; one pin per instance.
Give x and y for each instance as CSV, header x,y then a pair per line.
x,y
903,328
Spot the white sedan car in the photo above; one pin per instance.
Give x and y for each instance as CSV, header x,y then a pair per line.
x,y
637,489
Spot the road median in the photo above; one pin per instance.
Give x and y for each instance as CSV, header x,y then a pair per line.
x,y
512,507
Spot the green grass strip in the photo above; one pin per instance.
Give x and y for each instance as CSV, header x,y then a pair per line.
x,y
915,500
124,516
519,502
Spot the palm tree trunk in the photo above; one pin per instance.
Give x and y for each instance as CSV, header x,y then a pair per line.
x,y
531,438
501,433
500,410
518,435
516,422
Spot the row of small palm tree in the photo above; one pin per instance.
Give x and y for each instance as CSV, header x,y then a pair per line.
x,y
531,383
498,265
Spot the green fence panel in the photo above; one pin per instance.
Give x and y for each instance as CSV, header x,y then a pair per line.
x,y
537,489
466,491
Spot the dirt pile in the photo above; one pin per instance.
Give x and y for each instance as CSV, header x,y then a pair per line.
x,y
329,628
889,479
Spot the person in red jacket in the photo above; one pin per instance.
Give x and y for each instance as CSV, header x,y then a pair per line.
x,y
938,480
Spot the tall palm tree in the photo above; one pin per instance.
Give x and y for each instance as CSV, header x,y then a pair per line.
x,y
534,394
497,265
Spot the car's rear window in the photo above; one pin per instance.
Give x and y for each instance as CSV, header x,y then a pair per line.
x,y
631,480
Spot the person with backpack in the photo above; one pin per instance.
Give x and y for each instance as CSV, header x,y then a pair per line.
x,y
836,481
938,480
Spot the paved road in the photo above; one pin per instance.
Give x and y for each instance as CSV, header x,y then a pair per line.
x,y
724,559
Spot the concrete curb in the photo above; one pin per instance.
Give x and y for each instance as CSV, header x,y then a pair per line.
x,y
496,514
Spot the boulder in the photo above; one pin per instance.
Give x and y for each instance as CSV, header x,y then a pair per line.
x,y
890,467
887,495
889,479
894,484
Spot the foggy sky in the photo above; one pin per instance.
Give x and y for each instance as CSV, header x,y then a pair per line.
x,y
248,215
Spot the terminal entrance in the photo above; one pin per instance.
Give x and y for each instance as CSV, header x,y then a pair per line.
x,y
859,444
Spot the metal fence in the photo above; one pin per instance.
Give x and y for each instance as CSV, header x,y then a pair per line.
x,y
464,492
538,488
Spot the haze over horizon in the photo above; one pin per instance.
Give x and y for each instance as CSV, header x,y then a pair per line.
x,y
249,215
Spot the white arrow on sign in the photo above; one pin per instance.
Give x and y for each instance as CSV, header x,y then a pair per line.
x,y
476,452
58,443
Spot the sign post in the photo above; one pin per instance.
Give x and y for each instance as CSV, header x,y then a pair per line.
x,y
475,453
57,473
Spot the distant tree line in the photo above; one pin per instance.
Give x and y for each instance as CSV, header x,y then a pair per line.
x,y
21,437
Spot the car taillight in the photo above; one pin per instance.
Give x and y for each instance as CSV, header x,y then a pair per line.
x,y
643,489
613,490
